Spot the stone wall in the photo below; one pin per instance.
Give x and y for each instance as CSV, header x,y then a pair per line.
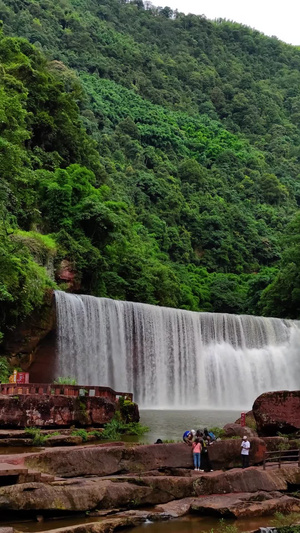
x,y
47,411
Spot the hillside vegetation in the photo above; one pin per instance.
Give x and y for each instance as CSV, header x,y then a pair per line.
x,y
158,152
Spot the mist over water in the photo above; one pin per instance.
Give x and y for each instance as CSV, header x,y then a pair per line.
x,y
171,358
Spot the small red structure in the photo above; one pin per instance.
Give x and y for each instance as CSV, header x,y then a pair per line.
x,y
22,377
243,419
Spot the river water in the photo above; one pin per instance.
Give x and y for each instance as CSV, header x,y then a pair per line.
x,y
171,424
187,524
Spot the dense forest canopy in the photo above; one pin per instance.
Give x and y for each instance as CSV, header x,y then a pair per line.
x,y
158,153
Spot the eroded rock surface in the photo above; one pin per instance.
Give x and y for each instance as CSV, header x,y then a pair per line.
x,y
88,494
236,430
226,453
103,461
28,410
140,459
277,411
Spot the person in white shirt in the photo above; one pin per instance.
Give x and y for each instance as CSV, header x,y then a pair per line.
x,y
245,448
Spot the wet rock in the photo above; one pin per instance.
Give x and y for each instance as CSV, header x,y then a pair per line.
x,y
106,526
277,411
15,442
249,480
245,505
236,430
176,508
29,410
63,440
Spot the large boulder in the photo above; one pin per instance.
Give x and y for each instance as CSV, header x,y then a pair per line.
x,y
29,410
277,411
227,453
104,461
236,430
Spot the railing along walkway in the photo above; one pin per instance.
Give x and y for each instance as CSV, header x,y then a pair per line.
x,y
281,456
14,389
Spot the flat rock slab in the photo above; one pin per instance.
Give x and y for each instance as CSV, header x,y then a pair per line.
x,y
241,505
103,461
105,526
245,505
12,470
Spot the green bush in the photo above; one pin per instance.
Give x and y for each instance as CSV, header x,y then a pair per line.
x,y
35,434
65,381
250,422
116,427
81,433
5,369
282,521
218,432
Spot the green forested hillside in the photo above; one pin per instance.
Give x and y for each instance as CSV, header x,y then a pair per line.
x,y
159,153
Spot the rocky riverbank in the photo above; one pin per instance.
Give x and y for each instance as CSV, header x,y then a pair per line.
x,y
117,482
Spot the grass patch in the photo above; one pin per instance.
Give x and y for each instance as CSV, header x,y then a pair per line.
x,y
114,429
65,381
80,433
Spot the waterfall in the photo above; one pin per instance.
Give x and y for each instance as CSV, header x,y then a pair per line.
x,y
173,358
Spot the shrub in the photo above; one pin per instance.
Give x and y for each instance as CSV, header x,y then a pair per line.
x,y
81,433
5,369
282,521
218,432
65,381
250,422
37,438
116,427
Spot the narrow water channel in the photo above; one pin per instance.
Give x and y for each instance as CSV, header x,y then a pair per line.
x,y
188,524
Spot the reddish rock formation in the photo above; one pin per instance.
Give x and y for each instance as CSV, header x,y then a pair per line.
x,y
93,460
107,526
67,274
246,505
277,411
227,453
104,461
83,494
54,411
240,505
236,430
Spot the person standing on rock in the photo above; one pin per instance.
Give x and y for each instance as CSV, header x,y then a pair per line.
x,y
197,454
245,448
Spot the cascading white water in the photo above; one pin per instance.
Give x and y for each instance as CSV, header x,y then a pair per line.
x,y
174,358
